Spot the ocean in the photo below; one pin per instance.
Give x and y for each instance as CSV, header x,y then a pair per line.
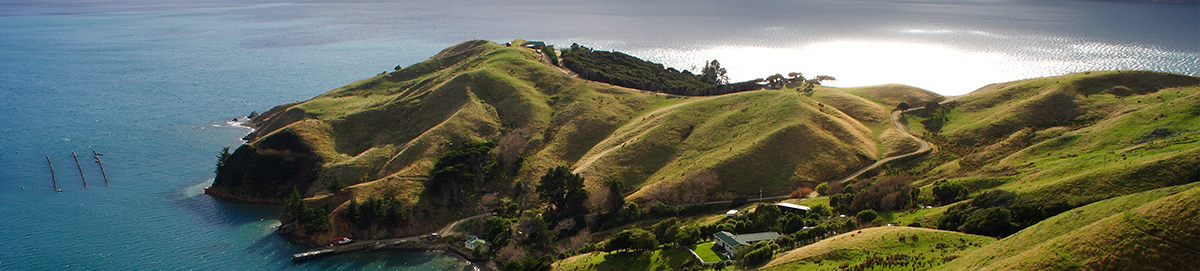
x,y
154,85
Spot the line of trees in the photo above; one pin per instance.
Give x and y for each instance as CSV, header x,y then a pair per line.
x,y
384,211
628,71
312,220
1000,213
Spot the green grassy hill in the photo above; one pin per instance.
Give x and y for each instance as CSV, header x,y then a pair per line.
x,y
1118,151
881,248
379,137
729,145
1152,230
1079,137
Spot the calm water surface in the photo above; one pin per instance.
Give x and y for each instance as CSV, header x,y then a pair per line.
x,y
152,83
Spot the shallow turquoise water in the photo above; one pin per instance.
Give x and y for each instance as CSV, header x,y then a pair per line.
x,y
152,83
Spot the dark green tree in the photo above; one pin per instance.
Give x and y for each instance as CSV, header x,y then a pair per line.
x,y
867,215
714,73
221,158
993,221
632,240
760,253
947,192
460,169
616,195
563,190
688,235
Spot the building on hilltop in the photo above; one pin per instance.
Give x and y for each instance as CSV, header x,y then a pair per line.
x,y
735,244
538,45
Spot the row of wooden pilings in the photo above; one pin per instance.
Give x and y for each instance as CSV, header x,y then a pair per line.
x,y
54,179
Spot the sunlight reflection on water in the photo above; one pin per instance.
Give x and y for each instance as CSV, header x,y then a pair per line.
x,y
940,68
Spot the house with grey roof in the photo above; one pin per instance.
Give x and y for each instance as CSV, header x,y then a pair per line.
x,y
735,244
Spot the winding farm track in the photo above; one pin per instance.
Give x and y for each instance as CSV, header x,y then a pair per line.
x,y
449,228
925,147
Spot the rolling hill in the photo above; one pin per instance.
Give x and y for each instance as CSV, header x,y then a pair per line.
x,y
1090,169
380,136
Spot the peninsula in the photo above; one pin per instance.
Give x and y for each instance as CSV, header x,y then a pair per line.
x,y
581,159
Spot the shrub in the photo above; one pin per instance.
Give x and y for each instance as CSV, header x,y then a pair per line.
x,y
999,213
947,192
688,235
866,215
760,253
993,221
632,240
822,188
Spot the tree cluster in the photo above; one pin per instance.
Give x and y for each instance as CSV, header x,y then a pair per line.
x,y
628,71
1000,213
945,192
760,253
563,190
460,169
266,169
382,211
312,220
632,240
778,81
883,194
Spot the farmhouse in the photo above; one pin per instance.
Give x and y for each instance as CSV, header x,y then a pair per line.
x,y
734,244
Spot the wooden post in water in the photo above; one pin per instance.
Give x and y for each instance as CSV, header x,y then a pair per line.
x,y
80,169
52,178
97,155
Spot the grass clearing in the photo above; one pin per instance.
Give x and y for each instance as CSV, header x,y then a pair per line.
x,y
663,259
707,253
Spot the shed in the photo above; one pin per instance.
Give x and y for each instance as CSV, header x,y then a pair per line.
x,y
789,208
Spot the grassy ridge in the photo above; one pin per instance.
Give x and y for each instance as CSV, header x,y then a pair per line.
x,y
1151,230
881,248
380,135
663,259
1102,146
703,144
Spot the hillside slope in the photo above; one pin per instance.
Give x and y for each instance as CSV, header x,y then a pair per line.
x,y
902,248
1077,138
380,136
1152,230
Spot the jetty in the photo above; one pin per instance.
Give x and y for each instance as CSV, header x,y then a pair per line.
x,y
52,178
97,155
80,169
411,243
369,245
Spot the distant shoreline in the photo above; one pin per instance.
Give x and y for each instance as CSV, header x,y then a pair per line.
x,y
1156,1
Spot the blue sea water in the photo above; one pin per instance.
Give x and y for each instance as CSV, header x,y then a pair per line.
x,y
152,84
